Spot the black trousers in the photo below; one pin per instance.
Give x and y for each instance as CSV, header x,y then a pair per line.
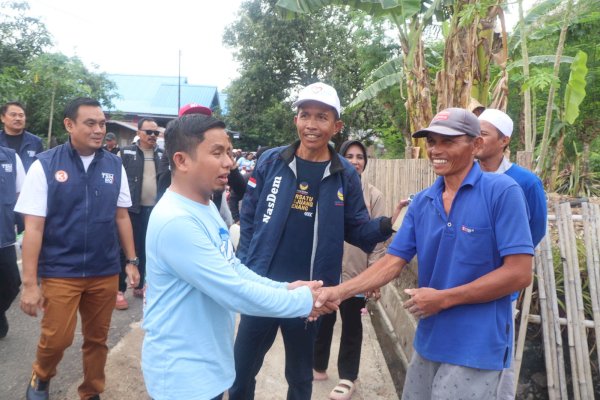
x,y
10,280
350,343
139,223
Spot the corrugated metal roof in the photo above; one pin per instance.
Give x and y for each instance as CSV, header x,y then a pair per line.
x,y
158,94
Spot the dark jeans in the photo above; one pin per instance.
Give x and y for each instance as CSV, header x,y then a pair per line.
x,y
350,343
254,339
139,223
10,280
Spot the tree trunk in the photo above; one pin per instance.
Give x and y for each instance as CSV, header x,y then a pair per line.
x,y
418,99
529,135
454,81
50,120
558,155
539,169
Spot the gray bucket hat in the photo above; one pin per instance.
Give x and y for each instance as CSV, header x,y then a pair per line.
x,y
452,122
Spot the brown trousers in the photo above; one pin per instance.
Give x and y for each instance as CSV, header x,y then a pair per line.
x,y
95,299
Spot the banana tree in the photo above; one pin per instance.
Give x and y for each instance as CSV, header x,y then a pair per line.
x,y
410,17
549,107
467,54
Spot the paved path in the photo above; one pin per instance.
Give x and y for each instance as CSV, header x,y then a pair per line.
x,y
124,378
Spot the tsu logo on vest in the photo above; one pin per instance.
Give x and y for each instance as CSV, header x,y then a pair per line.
x,y
108,178
61,176
8,168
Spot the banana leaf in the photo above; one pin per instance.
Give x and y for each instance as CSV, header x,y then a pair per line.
x,y
575,92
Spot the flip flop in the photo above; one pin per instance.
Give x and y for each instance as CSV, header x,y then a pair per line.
x,y
319,376
343,390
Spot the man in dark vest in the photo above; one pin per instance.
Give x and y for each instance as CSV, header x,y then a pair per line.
x,y
110,143
140,161
12,175
14,136
74,201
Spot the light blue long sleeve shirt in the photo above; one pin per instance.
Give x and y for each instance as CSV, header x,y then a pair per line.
x,y
195,286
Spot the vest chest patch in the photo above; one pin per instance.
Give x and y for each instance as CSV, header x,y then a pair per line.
x,y
61,176
108,178
7,167
31,153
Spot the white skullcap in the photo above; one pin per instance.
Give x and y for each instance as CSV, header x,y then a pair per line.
x,y
499,119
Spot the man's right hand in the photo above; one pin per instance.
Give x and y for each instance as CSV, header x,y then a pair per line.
x,y
31,299
326,300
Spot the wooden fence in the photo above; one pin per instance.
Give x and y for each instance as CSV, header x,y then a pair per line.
x,y
560,301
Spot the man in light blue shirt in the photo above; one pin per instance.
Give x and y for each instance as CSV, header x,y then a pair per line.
x,y
195,282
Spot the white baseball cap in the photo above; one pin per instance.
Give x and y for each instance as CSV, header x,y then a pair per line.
x,y
322,93
499,119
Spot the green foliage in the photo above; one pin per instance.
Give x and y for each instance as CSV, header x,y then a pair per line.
x,y
21,36
540,79
334,46
470,11
67,78
575,181
575,92
399,8
31,75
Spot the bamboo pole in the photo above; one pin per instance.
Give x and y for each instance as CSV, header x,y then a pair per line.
x,y
520,341
580,309
553,306
590,221
572,339
536,319
581,370
545,273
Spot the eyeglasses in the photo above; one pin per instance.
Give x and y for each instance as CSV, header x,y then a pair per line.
x,y
151,132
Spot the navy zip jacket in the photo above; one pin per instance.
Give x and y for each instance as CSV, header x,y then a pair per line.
x,y
8,195
30,146
80,233
341,214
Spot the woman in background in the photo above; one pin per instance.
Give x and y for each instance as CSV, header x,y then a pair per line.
x,y
353,263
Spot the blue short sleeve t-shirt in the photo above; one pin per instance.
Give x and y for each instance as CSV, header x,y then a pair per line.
x,y
488,221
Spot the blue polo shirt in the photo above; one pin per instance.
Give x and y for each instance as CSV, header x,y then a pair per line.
x,y
488,221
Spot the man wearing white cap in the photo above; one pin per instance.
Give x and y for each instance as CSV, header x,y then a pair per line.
x,y
496,132
301,203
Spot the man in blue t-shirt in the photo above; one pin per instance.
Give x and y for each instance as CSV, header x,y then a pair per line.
x,y
474,249
496,132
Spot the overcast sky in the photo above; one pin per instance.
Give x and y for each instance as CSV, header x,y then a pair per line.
x,y
144,37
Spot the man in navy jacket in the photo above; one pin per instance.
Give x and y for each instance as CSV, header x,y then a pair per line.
x,y
302,202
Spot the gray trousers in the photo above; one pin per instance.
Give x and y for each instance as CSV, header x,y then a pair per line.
x,y
440,381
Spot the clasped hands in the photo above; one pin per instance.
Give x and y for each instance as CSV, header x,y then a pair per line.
x,y
326,299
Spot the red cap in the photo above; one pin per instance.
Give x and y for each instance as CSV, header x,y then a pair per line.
x,y
194,108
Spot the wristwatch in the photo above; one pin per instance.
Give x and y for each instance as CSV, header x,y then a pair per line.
x,y
134,261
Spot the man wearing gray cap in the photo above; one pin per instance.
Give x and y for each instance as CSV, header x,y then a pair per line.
x,y
470,232
301,203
